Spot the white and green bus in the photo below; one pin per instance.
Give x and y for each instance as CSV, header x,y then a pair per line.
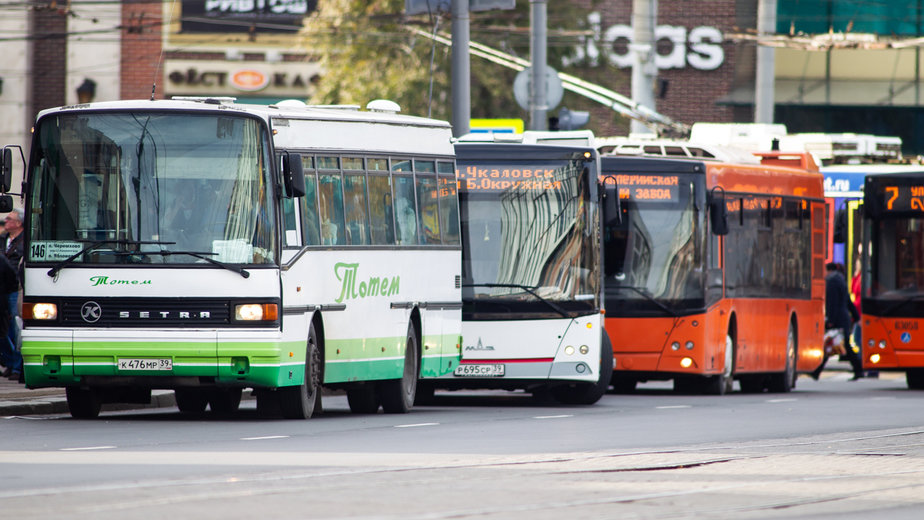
x,y
210,247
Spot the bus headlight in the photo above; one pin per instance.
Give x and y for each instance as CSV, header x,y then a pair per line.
x,y
569,350
689,345
256,312
675,346
882,343
584,349
40,311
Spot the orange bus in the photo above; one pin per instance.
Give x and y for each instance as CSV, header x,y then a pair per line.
x,y
714,271
893,274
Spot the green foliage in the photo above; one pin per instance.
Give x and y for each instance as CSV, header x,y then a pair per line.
x,y
368,52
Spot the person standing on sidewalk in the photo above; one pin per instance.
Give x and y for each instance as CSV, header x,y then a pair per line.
x,y
12,241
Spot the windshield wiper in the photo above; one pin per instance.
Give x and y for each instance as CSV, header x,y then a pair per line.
x,y
97,243
649,297
530,290
204,255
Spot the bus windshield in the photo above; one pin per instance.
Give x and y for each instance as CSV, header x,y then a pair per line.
x,y
527,249
654,253
897,263
151,188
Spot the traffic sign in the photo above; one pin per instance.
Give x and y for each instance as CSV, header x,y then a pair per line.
x,y
553,88
445,6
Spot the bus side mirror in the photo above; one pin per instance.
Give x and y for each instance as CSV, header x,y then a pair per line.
x,y
718,214
612,211
6,170
6,203
293,174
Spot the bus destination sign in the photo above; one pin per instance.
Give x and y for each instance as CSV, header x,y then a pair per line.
x,y
509,178
650,188
903,197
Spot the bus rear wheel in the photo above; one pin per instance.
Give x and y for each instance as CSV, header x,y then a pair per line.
x,y
191,400
298,402
589,393
785,381
83,403
398,395
224,400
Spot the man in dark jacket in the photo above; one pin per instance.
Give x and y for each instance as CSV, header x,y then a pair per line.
x,y
837,313
9,356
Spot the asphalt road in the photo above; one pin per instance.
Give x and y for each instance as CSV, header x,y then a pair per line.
x,y
830,449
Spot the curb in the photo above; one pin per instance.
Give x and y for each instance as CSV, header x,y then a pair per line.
x,y
57,404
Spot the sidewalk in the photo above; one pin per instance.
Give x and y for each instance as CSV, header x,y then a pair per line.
x,y
16,399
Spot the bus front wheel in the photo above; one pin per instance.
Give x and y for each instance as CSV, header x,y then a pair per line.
x,y
83,403
298,402
398,395
724,383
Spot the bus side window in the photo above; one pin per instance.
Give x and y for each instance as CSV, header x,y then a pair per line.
x,y
429,210
381,212
310,219
405,210
331,210
449,208
354,191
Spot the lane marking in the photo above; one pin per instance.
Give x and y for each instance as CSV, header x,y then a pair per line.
x,y
265,438
88,448
784,400
417,425
552,416
673,407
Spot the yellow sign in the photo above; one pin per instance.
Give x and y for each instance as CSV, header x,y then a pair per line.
x,y
496,126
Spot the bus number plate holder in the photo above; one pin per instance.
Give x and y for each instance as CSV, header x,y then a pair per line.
x,y
479,370
145,364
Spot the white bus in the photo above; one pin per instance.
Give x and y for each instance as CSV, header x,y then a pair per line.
x,y
208,247
531,267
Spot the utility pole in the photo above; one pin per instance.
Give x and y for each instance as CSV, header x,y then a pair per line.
x,y
644,71
764,82
461,70
538,53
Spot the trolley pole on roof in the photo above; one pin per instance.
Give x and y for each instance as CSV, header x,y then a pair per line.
x,y
538,51
461,69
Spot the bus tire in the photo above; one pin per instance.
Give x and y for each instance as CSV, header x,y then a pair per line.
x,y
623,384
723,383
83,403
191,400
398,395
785,381
589,393
224,400
426,393
915,378
362,398
298,402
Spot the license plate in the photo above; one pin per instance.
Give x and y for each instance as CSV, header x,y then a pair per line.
x,y
146,364
479,370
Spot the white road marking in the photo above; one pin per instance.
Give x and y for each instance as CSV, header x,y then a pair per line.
x,y
673,407
786,400
88,448
552,416
264,438
417,425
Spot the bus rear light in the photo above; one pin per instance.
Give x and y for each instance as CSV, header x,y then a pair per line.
x,y
40,311
874,358
256,312
686,362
